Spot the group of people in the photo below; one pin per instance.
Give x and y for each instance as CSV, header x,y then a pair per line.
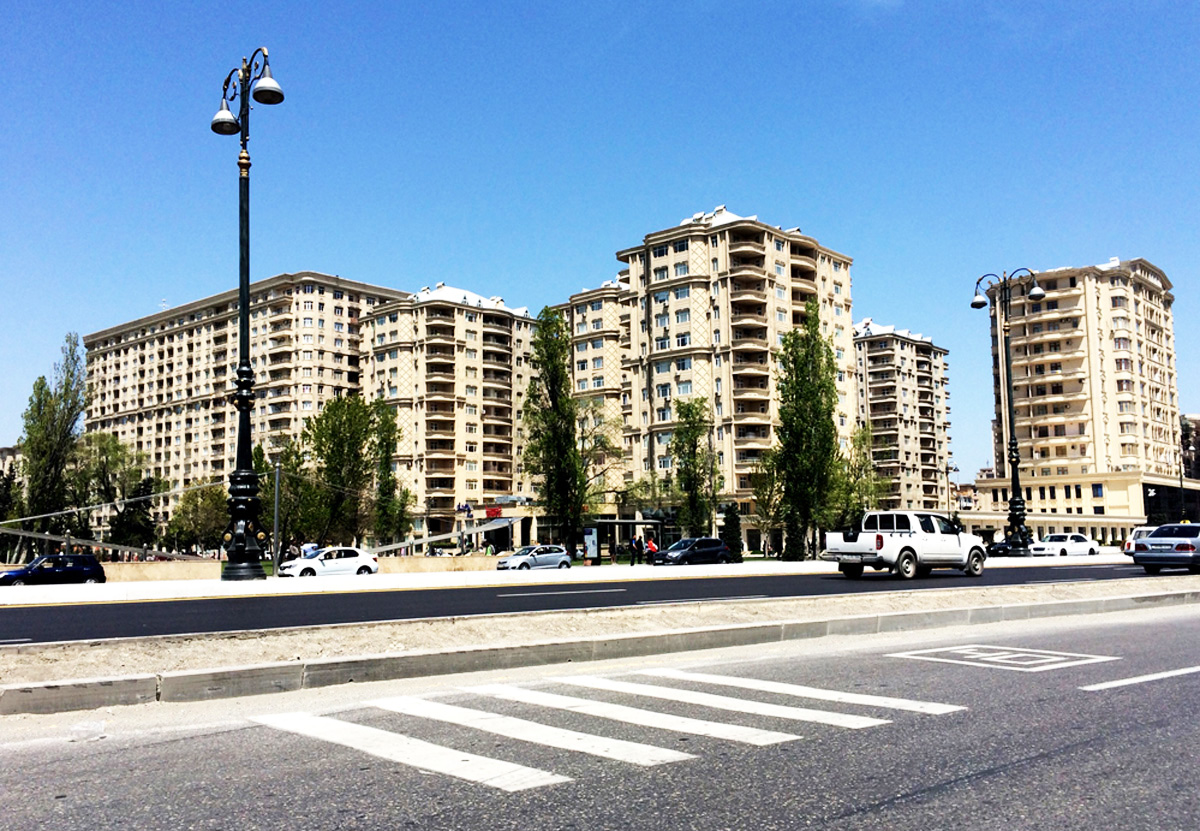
x,y
639,550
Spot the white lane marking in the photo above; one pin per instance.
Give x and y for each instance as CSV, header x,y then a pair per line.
x,y
721,702
929,707
634,715
413,752
546,594
1140,679
530,731
1018,659
700,599
16,640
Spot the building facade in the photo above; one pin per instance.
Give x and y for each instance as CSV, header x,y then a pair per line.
x,y
903,396
700,311
1095,395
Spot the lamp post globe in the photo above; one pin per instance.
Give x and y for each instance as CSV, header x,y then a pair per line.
x,y
244,537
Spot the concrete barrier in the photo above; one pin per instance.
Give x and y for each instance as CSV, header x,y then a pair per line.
x,y
163,570
418,565
79,694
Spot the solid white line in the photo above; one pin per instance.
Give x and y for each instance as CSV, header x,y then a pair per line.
x,y
699,599
413,752
634,715
545,594
16,640
721,702
1141,679
530,731
928,707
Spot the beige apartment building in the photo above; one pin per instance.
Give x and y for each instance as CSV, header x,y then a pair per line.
x,y
699,312
455,366
902,394
1096,399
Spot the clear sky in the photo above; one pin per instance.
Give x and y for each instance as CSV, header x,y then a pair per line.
x,y
512,147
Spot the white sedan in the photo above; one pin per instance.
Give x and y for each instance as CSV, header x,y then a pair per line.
x,y
1064,544
536,556
333,560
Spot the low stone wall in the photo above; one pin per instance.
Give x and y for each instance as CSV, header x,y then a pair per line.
x,y
169,570
410,565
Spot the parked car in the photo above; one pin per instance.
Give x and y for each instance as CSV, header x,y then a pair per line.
x,y
1137,534
536,556
692,550
907,543
1000,548
332,560
1169,546
1064,544
55,568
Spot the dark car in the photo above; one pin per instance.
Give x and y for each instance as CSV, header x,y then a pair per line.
x,y
691,550
1169,546
55,568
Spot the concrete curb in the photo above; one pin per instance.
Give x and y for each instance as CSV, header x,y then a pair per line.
x,y
234,682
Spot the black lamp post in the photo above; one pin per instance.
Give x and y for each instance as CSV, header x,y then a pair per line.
x,y
244,537
1017,533
1182,495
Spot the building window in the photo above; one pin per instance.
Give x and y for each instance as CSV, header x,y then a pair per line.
x,y
1098,491
682,292
681,269
683,339
680,245
683,316
684,388
660,274
683,364
659,251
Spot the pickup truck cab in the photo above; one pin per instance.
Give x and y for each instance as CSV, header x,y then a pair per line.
x,y
907,543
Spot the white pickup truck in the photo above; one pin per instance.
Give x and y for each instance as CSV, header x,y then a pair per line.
x,y
908,543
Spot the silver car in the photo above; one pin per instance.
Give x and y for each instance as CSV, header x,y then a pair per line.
x,y
1169,546
536,556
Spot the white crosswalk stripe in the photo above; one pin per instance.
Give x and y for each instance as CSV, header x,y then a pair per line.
x,y
634,715
722,702
413,752
928,707
531,731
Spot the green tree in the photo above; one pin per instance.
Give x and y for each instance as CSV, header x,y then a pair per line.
x,y
10,509
807,435
770,511
731,529
133,524
199,519
854,485
47,444
107,471
552,452
392,517
340,442
693,462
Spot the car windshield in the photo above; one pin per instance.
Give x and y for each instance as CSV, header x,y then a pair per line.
x,y
1176,531
316,552
687,542
1056,538
524,551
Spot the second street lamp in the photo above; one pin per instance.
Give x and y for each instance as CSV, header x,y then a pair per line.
x,y
1017,533
244,536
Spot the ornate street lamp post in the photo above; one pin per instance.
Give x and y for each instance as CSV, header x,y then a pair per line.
x,y
1182,496
1016,533
244,537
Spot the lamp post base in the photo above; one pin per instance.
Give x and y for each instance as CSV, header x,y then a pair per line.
x,y
243,571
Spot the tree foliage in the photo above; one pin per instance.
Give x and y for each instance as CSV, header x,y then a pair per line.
x,y
340,440
391,515
694,466
199,519
854,486
552,450
770,510
807,434
106,471
731,528
51,426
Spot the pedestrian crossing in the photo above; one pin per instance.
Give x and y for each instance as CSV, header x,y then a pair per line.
x,y
698,690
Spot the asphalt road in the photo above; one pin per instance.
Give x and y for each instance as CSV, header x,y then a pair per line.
x,y
1005,726
90,621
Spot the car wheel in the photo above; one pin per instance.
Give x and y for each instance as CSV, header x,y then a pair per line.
x,y
852,570
564,564
974,563
723,560
1152,569
906,565
18,582
308,572
1062,553
1091,552
364,570
90,580
523,567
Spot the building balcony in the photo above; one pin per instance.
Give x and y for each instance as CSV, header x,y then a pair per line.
x,y
739,293
752,246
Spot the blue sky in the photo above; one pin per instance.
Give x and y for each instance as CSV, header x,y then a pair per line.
x,y
511,148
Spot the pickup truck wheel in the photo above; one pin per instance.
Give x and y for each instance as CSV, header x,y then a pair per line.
x,y
906,565
851,570
974,563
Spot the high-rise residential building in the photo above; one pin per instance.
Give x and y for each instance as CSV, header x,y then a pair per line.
x,y
903,396
455,366
161,384
700,312
1095,394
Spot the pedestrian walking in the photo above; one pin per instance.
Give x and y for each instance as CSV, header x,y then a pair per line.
x,y
651,549
635,550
